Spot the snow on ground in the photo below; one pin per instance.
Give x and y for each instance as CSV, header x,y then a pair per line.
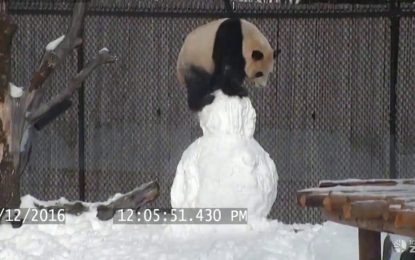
x,y
85,237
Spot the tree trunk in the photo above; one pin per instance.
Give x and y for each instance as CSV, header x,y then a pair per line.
x,y
9,178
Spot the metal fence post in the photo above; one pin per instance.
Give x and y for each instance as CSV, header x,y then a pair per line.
x,y
394,49
81,126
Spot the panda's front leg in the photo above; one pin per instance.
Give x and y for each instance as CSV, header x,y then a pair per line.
x,y
231,83
241,91
232,89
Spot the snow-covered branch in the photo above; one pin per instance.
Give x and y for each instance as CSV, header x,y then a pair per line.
x,y
53,44
15,92
57,50
103,57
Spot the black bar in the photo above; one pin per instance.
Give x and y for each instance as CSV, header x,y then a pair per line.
x,y
277,14
81,127
394,51
54,112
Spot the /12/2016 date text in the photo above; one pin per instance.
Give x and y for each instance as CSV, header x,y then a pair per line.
x,y
33,216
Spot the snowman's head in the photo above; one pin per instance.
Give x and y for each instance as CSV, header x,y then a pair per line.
x,y
228,116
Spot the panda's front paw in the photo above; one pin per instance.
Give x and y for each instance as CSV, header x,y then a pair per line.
x,y
234,90
207,100
242,93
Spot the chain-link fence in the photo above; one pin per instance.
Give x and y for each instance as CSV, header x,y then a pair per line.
x,y
325,115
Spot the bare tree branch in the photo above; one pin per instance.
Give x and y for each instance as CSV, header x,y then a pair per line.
x,y
26,111
103,57
52,58
54,55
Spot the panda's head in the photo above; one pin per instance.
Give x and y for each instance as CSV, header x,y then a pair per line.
x,y
258,54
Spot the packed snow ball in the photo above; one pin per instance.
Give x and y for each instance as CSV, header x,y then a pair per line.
x,y
226,167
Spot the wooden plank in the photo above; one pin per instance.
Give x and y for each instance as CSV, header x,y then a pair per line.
x,y
375,209
311,200
405,219
324,184
369,245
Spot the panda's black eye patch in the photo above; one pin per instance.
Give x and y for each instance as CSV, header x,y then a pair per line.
x,y
257,55
259,74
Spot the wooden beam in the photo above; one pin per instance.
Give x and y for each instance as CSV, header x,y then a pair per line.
x,y
369,245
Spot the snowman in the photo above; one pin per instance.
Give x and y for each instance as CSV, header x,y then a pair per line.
x,y
226,167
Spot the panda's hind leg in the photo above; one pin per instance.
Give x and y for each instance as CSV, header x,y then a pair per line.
x,y
199,88
197,98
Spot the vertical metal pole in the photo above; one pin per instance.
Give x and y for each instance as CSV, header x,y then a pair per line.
x,y
229,8
394,49
81,126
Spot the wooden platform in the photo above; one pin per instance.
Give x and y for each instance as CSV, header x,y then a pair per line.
x,y
374,206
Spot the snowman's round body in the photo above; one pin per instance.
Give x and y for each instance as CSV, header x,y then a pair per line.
x,y
226,167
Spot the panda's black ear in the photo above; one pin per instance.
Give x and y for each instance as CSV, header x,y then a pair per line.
x,y
257,55
276,53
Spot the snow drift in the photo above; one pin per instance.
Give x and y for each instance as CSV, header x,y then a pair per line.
x,y
87,238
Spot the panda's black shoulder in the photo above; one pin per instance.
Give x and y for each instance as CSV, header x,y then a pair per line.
x,y
231,24
228,45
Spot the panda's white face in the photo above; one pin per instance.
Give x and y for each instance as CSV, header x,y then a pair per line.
x,y
259,64
258,55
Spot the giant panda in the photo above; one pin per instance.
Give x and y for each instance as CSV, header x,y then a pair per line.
x,y
221,55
